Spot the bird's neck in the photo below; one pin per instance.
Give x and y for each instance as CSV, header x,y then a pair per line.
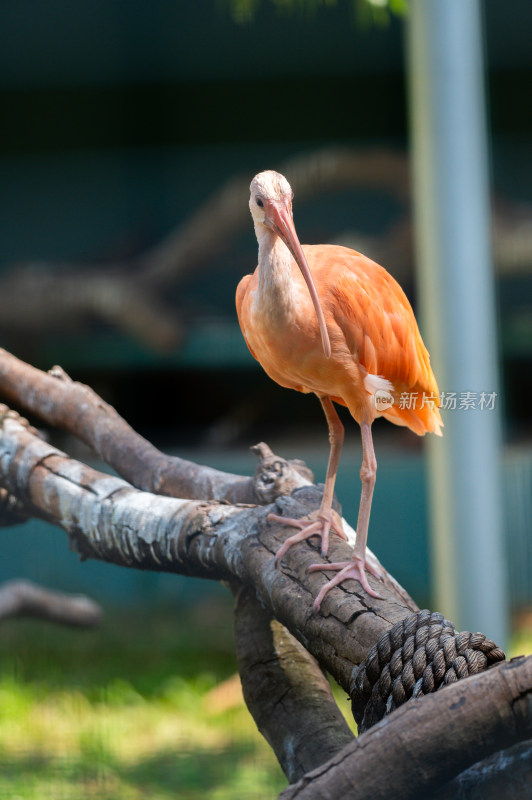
x,y
276,284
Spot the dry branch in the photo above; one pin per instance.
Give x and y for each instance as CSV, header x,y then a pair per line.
x,y
505,774
426,743
77,409
285,690
106,518
59,297
21,598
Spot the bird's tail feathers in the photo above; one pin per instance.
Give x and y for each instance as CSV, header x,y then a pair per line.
x,y
419,420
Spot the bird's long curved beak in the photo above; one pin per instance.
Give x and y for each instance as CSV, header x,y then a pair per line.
x,y
283,223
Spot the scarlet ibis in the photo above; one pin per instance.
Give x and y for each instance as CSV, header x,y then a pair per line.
x,y
328,320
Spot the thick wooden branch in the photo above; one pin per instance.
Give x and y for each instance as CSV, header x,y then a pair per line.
x,y
285,690
504,775
426,742
21,598
106,518
76,408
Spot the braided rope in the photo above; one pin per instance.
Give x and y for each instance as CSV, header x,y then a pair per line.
x,y
419,655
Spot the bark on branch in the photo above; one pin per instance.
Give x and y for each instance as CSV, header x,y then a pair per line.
x,y
426,743
505,774
77,409
285,690
106,518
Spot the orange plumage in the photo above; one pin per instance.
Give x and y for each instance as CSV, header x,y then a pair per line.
x,y
328,320
372,329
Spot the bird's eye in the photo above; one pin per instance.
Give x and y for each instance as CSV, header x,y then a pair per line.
x,y
259,202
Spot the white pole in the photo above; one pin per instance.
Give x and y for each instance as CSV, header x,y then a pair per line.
x,y
450,169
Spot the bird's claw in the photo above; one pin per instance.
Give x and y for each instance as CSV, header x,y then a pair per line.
x,y
318,522
347,570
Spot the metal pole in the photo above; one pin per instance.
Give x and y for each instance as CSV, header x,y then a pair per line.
x,y
450,170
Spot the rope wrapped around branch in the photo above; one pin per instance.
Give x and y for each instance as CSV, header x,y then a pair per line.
x,y
419,655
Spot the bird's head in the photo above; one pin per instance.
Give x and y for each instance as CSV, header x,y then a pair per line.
x,y
270,191
270,204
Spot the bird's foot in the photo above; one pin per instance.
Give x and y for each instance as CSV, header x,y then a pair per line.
x,y
318,523
347,570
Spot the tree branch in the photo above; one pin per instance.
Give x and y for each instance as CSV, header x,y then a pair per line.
x,y
425,743
59,297
285,690
21,598
76,408
106,518
504,774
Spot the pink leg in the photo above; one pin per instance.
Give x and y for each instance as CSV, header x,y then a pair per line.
x,y
357,567
322,521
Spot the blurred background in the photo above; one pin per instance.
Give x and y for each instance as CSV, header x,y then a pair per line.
x,y
130,133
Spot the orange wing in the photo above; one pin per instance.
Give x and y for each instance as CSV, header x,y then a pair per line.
x,y
241,290
380,329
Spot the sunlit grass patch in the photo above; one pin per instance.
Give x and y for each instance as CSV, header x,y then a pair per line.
x,y
148,706
118,714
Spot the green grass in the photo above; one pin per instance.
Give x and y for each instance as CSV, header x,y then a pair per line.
x,y
146,706
521,644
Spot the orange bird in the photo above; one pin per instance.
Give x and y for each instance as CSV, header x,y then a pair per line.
x,y
328,320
